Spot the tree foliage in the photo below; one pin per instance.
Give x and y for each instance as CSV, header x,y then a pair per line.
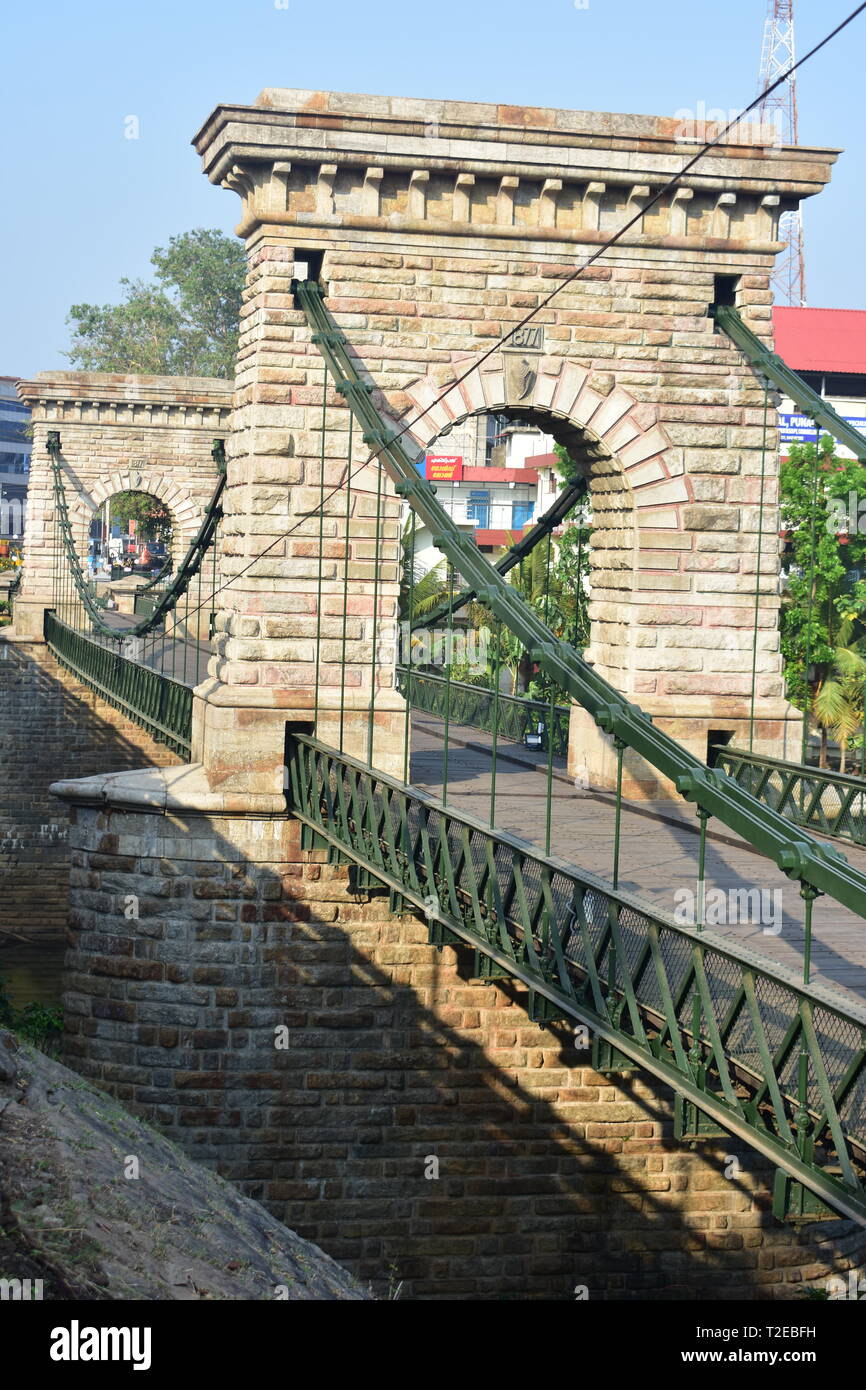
x,y
184,324
152,517
824,604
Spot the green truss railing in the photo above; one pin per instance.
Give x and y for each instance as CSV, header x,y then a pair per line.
x,y
159,704
819,867
772,366
474,705
779,1064
833,803
187,570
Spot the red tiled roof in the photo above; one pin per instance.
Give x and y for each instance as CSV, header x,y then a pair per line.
x,y
482,536
821,340
541,460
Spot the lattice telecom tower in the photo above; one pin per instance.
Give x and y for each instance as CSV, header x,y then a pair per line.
x,y
780,109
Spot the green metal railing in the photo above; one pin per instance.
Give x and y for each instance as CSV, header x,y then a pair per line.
x,y
833,803
159,704
819,868
780,1064
474,705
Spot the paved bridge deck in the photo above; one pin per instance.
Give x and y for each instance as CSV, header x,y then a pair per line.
x,y
659,847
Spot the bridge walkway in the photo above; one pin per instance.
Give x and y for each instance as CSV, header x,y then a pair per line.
x,y
658,854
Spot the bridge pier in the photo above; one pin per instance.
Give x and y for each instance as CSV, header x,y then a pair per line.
x,y
317,1050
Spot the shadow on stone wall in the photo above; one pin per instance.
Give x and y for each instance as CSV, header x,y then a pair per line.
x,y
416,1124
51,726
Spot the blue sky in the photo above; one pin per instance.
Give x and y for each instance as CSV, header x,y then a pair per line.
x,y
85,206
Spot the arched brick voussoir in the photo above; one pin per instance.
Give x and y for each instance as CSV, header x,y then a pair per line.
x,y
186,510
641,455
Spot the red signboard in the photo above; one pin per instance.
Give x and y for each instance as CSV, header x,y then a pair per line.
x,y
444,468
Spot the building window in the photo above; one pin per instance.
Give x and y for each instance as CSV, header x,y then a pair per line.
x,y
521,512
496,425
478,508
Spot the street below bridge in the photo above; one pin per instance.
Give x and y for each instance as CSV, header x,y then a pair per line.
x,y
658,852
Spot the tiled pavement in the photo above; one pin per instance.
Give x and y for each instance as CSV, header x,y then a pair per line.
x,y
659,848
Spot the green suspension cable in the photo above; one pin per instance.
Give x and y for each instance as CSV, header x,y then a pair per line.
x,y
703,817
549,808
808,661
620,748
497,672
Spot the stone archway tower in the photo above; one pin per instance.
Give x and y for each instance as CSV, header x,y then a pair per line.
x,y
438,226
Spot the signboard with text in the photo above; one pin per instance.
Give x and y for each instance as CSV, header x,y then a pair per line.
x,y
800,429
444,468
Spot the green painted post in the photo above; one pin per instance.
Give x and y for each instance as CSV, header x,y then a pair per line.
x,y
703,817
620,747
497,675
450,654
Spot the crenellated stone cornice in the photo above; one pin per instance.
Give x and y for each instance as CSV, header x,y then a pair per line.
x,y
336,160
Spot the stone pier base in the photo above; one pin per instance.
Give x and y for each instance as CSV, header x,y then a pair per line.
x,y
229,985
592,756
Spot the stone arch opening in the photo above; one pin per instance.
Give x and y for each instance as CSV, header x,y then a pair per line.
x,y
183,511
633,474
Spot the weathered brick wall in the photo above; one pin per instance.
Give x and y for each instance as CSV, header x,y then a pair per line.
x,y
549,1175
51,725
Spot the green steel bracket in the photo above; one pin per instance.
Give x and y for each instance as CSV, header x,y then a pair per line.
x,y
312,840
399,906
691,1124
796,1204
486,968
439,934
543,1010
771,365
607,1059
365,881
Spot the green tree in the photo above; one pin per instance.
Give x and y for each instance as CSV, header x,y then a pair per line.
x,y
184,324
152,517
822,626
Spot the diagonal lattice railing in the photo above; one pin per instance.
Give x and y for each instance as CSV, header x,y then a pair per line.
x,y
511,716
780,1064
159,704
832,803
